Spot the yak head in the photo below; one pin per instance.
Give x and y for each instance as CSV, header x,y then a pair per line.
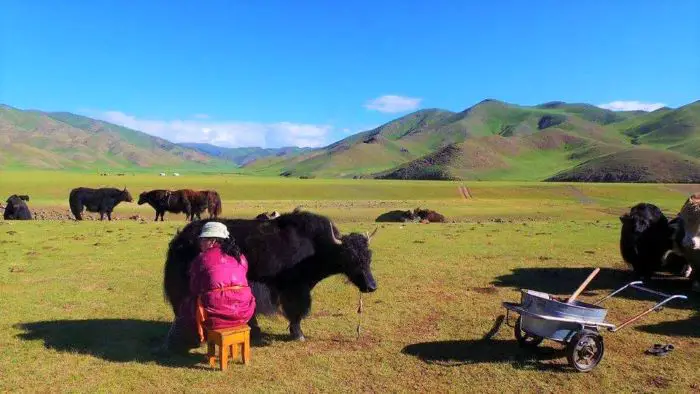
x,y
643,217
355,259
125,195
143,198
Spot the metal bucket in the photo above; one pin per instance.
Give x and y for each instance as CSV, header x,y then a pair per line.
x,y
543,304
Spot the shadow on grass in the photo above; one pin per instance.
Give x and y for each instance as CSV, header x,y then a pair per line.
x,y
562,280
456,353
118,340
682,328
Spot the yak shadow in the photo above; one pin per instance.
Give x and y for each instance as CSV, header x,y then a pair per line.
x,y
562,280
682,328
464,352
117,340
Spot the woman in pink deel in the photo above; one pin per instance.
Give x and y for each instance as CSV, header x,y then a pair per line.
x,y
219,293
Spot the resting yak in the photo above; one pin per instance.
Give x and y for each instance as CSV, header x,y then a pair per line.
x,y
686,239
428,215
396,216
17,209
287,257
646,239
101,200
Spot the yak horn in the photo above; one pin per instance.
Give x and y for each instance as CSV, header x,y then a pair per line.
x,y
369,236
335,240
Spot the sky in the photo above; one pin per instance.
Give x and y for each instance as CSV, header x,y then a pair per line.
x,y
307,73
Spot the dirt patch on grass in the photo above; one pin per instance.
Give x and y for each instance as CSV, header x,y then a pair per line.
x,y
659,382
464,192
684,188
580,196
484,290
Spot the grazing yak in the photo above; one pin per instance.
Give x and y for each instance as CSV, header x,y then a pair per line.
x,y
166,201
17,208
101,200
268,215
646,239
686,239
428,215
396,216
287,257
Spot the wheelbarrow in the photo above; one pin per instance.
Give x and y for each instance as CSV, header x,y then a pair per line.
x,y
575,324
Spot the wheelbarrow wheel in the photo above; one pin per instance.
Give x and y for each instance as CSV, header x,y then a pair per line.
x,y
585,350
524,339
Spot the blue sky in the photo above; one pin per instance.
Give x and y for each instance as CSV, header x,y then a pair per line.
x,y
276,73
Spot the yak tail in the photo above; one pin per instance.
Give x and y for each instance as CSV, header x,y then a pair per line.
x,y
76,207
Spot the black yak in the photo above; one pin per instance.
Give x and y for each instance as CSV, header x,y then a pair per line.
x,y
166,201
646,239
396,216
101,200
287,257
17,208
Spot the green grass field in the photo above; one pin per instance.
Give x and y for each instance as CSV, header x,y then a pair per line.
x,y
82,303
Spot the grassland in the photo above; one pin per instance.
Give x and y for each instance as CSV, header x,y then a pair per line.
x,y
82,304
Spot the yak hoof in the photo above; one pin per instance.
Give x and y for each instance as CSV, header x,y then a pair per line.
x,y
302,338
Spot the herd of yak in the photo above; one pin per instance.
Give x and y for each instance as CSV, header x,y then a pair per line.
x,y
103,201
290,253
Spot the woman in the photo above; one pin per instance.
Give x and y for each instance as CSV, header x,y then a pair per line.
x,y
219,293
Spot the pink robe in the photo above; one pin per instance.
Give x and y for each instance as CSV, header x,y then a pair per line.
x,y
211,275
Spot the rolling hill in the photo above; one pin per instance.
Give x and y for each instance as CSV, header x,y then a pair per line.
x,y
496,140
61,140
242,156
491,140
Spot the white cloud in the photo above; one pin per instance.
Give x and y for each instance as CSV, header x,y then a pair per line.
x,y
225,133
393,104
631,106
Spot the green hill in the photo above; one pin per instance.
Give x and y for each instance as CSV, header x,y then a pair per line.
x,y
491,140
34,139
635,165
442,144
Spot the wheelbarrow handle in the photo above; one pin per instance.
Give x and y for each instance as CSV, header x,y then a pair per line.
x,y
646,312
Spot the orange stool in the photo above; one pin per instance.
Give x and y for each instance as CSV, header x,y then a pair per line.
x,y
232,342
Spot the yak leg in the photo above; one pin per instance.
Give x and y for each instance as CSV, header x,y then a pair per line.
x,y
109,215
255,331
296,304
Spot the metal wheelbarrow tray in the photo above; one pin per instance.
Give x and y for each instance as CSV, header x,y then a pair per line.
x,y
576,325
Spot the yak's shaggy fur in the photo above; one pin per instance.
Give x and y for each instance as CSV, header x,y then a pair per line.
x,y
17,208
101,200
166,201
287,257
645,240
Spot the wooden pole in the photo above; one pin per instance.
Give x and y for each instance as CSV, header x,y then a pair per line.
x,y
583,286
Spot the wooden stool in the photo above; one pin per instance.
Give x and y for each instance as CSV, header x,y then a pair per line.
x,y
229,340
